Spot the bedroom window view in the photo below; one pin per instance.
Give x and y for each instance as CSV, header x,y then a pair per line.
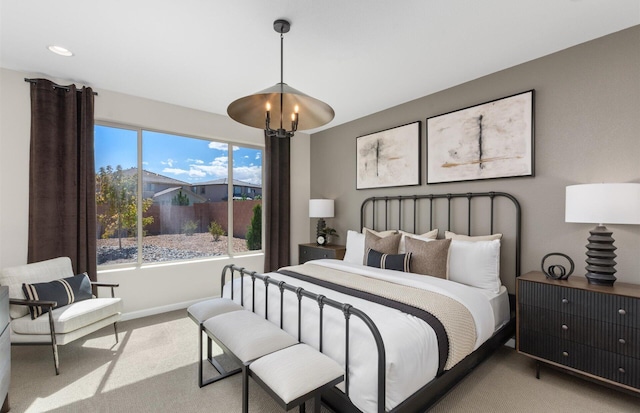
x,y
181,210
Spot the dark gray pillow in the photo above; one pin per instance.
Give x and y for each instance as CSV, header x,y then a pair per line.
x,y
398,262
63,291
429,257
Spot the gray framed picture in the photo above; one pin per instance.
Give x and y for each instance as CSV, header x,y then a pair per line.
x,y
486,141
389,158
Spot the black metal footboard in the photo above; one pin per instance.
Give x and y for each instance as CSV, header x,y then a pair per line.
x,y
321,300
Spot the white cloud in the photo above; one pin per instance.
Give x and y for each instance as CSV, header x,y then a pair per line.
x,y
258,155
197,161
219,146
252,174
175,171
168,162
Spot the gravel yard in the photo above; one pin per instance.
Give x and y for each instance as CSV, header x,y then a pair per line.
x,y
156,248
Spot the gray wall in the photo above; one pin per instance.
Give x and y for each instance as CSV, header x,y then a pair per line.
x,y
587,130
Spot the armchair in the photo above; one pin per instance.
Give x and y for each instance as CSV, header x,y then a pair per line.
x,y
59,325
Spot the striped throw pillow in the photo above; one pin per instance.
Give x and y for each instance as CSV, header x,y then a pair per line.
x,y
398,262
63,291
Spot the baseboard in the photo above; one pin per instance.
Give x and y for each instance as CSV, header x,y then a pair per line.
x,y
159,310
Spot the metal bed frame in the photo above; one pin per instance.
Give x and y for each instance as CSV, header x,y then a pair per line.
x,y
384,209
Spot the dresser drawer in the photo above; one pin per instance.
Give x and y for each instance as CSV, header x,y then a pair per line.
x,y
609,308
614,338
615,367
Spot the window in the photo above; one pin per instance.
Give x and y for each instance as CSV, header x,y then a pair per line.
x,y
183,211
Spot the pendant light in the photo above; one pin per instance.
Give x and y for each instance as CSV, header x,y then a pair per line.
x,y
280,105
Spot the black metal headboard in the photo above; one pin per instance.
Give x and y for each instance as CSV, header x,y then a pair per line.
x,y
407,212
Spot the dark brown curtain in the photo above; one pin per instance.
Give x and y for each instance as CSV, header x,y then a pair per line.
x,y
62,207
278,203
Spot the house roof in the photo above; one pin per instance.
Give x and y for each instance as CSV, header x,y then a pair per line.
x,y
359,56
225,181
176,190
152,177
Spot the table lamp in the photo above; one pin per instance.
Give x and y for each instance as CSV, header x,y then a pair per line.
x,y
600,204
321,208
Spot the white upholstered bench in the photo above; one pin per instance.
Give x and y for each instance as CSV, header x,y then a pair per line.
x,y
245,336
296,374
199,313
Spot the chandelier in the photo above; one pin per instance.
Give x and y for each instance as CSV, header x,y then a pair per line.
x,y
280,101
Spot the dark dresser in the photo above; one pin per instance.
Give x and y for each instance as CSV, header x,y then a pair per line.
x,y
586,329
308,252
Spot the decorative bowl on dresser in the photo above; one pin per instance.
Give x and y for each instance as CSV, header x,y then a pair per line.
x,y
582,328
308,252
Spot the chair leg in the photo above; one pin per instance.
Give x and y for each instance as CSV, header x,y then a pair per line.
x,y
115,329
54,345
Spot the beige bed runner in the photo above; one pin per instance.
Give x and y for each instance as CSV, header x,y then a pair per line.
x,y
454,316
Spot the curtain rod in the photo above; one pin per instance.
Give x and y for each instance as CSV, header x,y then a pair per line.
x,y
26,79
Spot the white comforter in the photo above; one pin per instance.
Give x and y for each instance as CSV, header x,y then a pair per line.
x,y
410,343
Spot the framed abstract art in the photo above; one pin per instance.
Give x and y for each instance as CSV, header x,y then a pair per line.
x,y
486,141
389,158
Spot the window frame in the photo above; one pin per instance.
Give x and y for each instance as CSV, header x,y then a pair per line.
x,y
230,190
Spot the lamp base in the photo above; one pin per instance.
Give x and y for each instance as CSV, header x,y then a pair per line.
x,y
320,227
600,253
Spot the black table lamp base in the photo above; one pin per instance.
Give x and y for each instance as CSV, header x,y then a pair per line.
x,y
600,257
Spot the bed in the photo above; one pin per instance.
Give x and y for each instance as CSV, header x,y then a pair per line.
x,y
404,338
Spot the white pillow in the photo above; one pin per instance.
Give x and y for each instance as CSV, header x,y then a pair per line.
x,y
355,247
380,234
475,263
427,236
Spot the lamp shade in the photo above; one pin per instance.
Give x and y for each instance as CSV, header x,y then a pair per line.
x,y
321,208
603,203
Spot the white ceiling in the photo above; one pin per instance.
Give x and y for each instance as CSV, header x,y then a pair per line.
x,y
359,56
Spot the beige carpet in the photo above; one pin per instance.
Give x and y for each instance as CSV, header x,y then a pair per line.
x,y
154,369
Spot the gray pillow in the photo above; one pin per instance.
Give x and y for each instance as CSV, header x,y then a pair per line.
x,y
428,257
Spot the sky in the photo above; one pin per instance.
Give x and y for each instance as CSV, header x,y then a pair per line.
x,y
187,159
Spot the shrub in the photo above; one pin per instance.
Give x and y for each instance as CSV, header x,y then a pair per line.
x,y
216,230
189,227
254,232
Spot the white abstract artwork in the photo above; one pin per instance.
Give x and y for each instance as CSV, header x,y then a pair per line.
x,y
389,158
486,141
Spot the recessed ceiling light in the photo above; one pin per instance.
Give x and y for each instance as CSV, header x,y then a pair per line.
x,y
60,50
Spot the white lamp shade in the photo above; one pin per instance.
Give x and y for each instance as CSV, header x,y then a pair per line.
x,y
321,208
603,203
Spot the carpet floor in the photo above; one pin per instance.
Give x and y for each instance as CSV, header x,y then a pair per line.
x,y
154,369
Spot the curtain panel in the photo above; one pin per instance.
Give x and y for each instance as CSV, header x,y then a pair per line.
x,y
278,203
62,207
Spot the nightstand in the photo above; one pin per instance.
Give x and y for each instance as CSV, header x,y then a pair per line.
x,y
308,252
587,329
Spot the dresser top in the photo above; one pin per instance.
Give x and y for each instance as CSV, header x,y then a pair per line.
x,y
580,281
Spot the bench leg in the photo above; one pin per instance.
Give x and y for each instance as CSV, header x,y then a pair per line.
x,y
316,404
115,329
303,407
245,389
219,368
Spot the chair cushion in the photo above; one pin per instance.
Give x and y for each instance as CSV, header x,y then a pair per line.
x,y
248,335
37,272
206,309
296,371
70,317
63,291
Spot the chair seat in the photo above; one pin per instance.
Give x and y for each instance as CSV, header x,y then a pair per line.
x,y
204,310
70,317
296,371
248,335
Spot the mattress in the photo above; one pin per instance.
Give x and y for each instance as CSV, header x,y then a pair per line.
x,y
410,343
